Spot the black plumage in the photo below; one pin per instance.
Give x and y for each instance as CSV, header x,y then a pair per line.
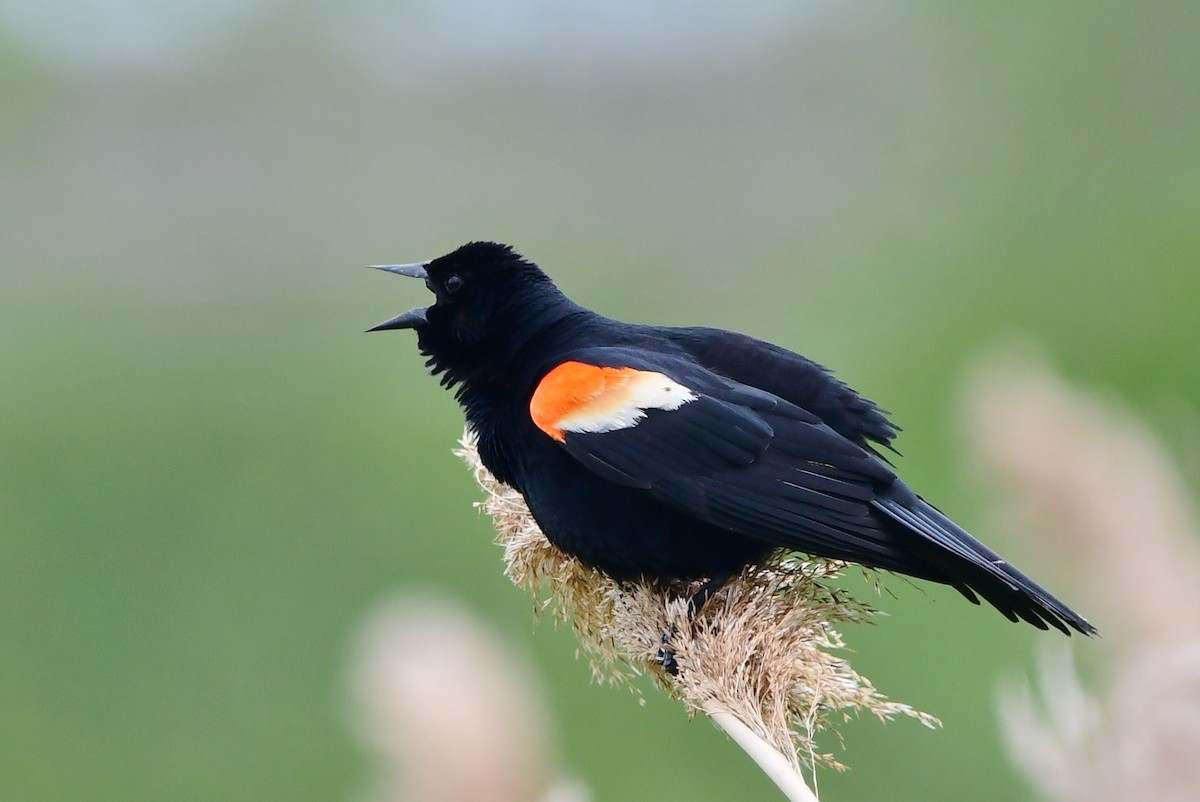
x,y
683,453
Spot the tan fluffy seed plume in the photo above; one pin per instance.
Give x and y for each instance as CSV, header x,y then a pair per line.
x,y
763,648
1089,482
448,712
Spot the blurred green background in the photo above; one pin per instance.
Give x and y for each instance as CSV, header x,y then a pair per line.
x,y
209,474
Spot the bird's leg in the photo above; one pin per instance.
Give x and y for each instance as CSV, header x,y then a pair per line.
x,y
715,583
666,656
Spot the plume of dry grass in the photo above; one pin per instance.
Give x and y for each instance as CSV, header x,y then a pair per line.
x,y
449,712
1092,487
763,647
1089,483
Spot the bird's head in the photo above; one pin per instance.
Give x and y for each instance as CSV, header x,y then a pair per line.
x,y
489,301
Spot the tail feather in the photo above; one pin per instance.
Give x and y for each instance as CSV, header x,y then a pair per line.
x,y
972,568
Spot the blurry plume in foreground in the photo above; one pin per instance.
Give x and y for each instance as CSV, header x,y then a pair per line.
x,y
1091,486
450,712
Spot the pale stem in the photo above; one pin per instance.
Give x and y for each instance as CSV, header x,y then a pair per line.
x,y
773,764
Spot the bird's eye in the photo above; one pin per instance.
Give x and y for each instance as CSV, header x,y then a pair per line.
x,y
453,283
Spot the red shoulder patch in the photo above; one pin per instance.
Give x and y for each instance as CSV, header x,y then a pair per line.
x,y
578,397
571,388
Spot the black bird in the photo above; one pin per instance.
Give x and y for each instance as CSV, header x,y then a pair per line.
x,y
652,452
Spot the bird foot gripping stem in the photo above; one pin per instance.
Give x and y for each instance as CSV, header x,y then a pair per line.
x,y
665,656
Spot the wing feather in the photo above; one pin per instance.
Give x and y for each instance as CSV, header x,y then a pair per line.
x,y
791,376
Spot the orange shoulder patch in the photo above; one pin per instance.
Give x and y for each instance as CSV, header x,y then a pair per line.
x,y
573,388
578,397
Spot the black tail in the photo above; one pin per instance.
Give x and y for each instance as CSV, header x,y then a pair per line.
x,y
972,568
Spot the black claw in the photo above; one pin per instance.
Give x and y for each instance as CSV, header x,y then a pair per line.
x,y
666,659
665,656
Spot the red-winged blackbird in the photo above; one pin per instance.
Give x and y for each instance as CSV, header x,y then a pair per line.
x,y
682,453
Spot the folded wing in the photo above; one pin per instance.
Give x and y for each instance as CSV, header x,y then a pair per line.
x,y
748,461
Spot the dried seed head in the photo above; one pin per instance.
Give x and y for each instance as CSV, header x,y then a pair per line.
x,y
764,646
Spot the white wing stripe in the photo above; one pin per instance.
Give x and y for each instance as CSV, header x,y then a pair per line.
x,y
626,408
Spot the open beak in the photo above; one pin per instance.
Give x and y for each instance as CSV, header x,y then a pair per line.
x,y
414,270
413,318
